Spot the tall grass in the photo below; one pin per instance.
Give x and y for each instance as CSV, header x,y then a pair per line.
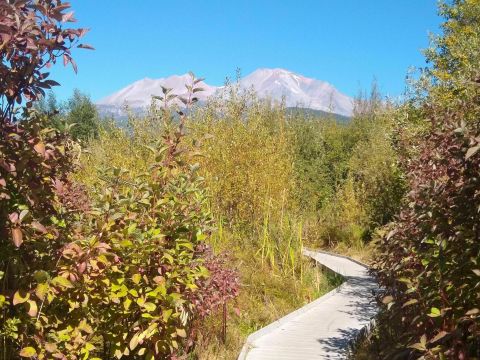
x,y
282,245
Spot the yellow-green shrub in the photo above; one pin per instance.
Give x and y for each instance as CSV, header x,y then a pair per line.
x,y
119,148
343,220
247,157
377,177
247,148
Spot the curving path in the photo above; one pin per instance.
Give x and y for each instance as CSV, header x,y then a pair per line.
x,y
327,327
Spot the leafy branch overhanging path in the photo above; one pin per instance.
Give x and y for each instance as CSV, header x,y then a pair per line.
x,y
327,327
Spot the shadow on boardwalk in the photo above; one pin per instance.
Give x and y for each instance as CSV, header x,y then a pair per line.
x,y
346,338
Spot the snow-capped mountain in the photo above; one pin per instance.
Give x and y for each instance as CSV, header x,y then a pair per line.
x,y
277,84
139,94
298,90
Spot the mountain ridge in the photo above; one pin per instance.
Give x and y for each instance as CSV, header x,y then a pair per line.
x,y
278,84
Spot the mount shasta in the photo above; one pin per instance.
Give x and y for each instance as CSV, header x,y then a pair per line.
x,y
276,84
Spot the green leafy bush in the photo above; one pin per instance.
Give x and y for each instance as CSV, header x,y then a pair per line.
x,y
142,261
78,115
82,116
347,178
321,158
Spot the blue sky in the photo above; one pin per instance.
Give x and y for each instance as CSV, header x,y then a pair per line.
x,y
344,42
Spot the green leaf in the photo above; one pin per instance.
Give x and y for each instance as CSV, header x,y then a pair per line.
x,y
140,302
131,228
62,282
20,297
134,342
150,307
435,312
126,243
136,278
40,276
168,257
166,314
28,352
127,303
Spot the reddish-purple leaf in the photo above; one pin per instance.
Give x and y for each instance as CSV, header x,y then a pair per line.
x,y
38,227
17,236
74,65
68,17
13,217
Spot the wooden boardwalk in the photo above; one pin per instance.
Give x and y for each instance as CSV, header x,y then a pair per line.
x,y
327,327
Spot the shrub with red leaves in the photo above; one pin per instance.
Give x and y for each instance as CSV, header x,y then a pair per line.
x,y
35,163
429,262
32,37
221,286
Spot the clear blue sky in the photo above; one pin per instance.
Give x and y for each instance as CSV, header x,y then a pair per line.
x,y
344,42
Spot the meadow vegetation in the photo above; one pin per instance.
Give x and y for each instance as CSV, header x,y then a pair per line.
x,y
178,233
277,181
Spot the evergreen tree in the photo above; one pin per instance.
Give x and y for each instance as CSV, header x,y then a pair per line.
x,y
81,112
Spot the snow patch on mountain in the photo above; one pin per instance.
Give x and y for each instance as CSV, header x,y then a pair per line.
x,y
277,84
139,94
298,90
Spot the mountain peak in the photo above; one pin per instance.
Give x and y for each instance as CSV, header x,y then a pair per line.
x,y
271,71
298,90
276,83
139,93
